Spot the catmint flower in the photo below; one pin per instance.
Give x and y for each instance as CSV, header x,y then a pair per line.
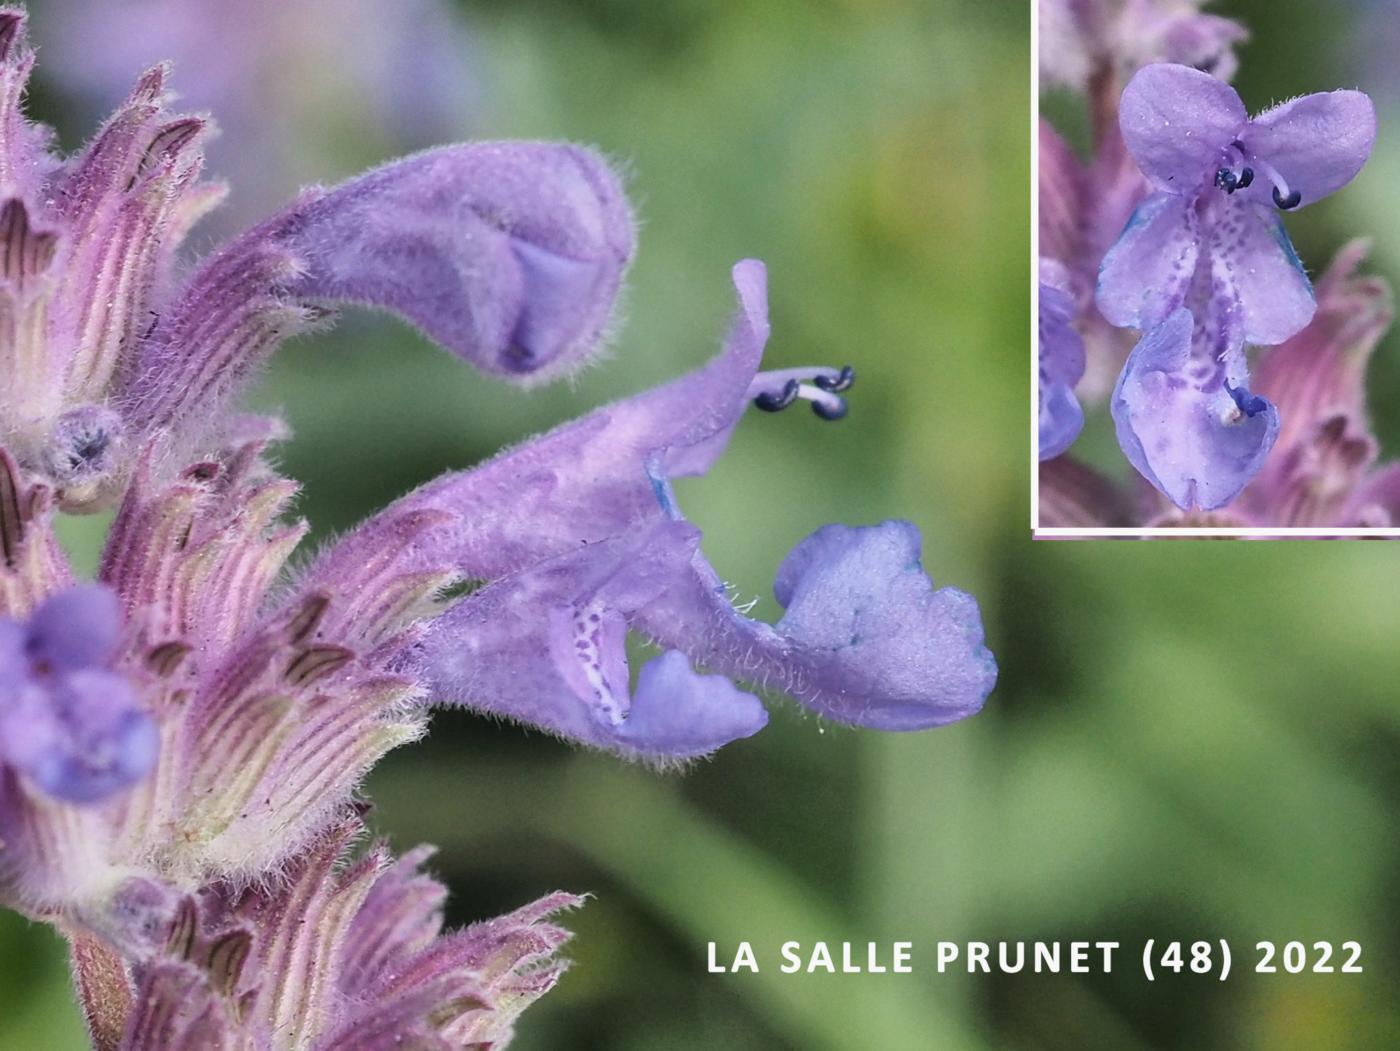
x,y
69,723
1061,353
1205,266
580,540
1324,470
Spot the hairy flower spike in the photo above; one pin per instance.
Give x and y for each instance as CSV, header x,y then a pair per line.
x,y
343,952
181,742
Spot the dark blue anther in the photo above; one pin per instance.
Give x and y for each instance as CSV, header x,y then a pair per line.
x,y
1249,404
1225,179
841,382
833,410
770,402
1246,177
1291,201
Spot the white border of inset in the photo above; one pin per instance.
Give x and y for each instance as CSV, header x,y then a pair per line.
x,y
1061,533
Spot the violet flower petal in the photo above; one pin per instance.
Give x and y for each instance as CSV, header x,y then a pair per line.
x,y
1318,143
865,640
83,738
1256,268
75,629
508,254
1177,122
1191,438
546,647
667,699
1147,272
1061,419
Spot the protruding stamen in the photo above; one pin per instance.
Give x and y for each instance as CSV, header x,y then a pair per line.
x,y
843,380
1246,177
1284,197
829,409
770,401
771,391
1226,180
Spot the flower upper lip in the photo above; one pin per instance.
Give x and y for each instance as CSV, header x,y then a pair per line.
x,y
1183,127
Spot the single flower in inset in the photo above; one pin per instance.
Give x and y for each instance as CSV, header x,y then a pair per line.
x,y
1205,267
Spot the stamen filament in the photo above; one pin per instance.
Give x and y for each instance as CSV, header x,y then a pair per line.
x,y
1283,196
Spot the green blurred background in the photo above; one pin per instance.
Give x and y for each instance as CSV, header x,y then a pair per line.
x,y
1188,740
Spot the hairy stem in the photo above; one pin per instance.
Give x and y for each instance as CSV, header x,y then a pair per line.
x,y
99,976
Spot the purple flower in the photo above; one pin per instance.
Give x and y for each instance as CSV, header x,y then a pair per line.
x,y
580,540
1205,266
1061,354
1325,468
69,723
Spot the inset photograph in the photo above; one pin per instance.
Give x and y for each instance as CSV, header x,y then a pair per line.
x,y
1215,249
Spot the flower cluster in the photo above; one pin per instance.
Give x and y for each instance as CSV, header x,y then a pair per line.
x,y
1202,268
181,741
